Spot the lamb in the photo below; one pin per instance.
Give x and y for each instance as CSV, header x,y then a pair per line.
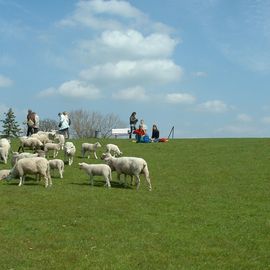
x,y
61,139
89,147
69,152
16,156
4,149
4,174
32,142
97,169
34,166
57,164
52,146
112,148
132,166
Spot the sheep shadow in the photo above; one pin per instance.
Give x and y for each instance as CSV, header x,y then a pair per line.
x,y
100,184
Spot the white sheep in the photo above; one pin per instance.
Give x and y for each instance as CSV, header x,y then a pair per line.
x,y
52,146
69,152
61,139
90,147
16,155
4,174
97,169
33,166
57,164
31,142
113,149
132,166
44,136
4,149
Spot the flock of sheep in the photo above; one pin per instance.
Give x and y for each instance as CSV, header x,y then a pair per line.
x,y
37,162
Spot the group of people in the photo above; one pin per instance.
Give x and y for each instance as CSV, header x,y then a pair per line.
x,y
141,132
32,120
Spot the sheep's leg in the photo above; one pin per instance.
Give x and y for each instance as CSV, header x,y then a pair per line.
x,y
61,173
149,183
49,179
108,184
118,177
91,180
21,181
137,181
46,181
95,155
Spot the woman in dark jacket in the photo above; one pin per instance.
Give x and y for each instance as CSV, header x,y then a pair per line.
x,y
132,121
155,134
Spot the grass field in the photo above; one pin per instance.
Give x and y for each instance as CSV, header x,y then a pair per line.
x,y
209,209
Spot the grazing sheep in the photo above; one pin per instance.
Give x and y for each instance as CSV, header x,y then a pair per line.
x,y
4,174
128,166
4,149
52,146
61,139
89,147
44,136
97,169
16,156
34,166
57,164
69,152
30,142
113,149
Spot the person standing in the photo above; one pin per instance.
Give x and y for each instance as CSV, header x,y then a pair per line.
x,y
69,122
30,123
36,125
132,121
63,124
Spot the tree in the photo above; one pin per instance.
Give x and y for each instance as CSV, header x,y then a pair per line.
x,y
48,124
10,127
85,124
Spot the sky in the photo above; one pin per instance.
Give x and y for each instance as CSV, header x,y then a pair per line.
x,y
201,67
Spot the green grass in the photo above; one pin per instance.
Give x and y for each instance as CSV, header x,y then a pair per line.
x,y
209,209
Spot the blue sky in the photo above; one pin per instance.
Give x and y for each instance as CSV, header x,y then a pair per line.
x,y
200,66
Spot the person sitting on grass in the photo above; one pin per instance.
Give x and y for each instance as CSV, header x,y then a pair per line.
x,y
139,134
155,134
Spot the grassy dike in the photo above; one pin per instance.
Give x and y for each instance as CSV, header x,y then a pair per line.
x,y
209,209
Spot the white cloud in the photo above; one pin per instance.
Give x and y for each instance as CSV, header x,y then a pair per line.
x,y
134,93
147,71
79,89
244,117
111,15
100,14
134,43
215,106
180,98
5,81
113,46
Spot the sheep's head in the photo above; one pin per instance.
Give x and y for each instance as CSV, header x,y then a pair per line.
x,y
81,165
98,144
105,156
